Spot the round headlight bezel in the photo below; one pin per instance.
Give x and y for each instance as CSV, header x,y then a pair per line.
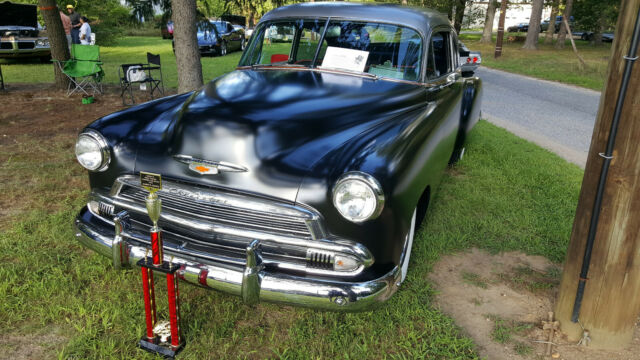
x,y
370,182
103,146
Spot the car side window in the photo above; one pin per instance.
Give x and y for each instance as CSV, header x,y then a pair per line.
x,y
440,50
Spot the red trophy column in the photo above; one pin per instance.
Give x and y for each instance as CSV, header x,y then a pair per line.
x,y
152,342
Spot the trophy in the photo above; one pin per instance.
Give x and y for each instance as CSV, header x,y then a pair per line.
x,y
158,339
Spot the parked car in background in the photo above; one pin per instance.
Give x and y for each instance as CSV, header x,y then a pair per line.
x,y
216,37
588,36
469,60
248,32
167,30
20,35
545,24
522,27
301,176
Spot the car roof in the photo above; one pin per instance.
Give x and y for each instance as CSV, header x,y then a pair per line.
x,y
418,18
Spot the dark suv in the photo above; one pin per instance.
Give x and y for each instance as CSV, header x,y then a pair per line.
x,y
545,24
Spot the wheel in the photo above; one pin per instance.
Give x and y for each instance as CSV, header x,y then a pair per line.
x,y
223,49
407,247
243,44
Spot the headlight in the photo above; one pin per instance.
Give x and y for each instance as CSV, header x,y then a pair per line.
x,y
42,42
92,151
358,197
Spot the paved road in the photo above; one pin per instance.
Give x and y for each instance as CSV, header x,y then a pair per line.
x,y
555,116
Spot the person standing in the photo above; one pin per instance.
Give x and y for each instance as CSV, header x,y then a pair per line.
x,y
66,24
75,24
85,31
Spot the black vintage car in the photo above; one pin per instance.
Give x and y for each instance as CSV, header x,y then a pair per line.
x,y
301,176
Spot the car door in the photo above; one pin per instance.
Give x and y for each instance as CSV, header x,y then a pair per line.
x,y
444,92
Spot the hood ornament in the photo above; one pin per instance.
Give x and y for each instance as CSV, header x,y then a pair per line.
x,y
208,167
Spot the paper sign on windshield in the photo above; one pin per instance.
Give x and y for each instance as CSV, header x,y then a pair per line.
x,y
345,59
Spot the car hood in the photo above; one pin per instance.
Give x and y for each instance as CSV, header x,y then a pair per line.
x,y
276,124
18,15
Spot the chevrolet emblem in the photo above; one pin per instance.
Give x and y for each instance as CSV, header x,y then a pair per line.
x,y
209,167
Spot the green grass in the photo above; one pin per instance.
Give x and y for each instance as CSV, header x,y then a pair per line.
x,y
127,50
547,62
506,194
474,279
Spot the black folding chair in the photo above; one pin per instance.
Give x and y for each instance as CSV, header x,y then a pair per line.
x,y
153,77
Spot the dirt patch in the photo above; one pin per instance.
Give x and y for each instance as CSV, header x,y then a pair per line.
x,y
29,346
501,300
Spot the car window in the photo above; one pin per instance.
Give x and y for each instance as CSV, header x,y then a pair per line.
x,y
440,49
274,43
392,51
381,49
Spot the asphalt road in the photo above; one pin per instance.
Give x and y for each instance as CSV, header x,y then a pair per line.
x,y
555,116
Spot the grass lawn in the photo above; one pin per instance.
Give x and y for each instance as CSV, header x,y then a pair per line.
x,y
128,50
506,194
547,62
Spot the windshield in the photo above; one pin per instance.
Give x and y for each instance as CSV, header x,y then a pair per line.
x,y
205,26
380,49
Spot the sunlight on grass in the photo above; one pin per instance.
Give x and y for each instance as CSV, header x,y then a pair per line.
x,y
128,50
547,62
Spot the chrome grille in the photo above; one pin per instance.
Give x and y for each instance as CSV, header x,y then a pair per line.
x,y
218,212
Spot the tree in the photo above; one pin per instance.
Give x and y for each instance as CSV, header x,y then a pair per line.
x,y
611,282
503,10
186,45
562,35
488,22
548,39
531,43
459,14
57,38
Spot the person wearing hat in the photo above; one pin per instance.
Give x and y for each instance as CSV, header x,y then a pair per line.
x,y
75,24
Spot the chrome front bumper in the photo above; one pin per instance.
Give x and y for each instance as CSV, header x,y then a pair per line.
x,y
252,282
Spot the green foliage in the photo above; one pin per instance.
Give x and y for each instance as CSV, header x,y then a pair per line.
x,y
595,15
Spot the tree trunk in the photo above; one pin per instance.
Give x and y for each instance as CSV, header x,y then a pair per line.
x,y
57,39
531,43
186,45
610,305
503,10
459,14
551,30
488,22
562,35
602,23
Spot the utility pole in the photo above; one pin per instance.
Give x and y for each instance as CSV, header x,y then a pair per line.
x,y
603,257
503,11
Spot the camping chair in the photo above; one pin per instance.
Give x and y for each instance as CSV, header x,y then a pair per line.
x,y
129,74
1,79
84,69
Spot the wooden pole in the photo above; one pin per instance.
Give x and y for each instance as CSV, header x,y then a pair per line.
x,y
611,302
503,10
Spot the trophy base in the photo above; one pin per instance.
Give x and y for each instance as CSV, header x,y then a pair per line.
x,y
165,267
155,347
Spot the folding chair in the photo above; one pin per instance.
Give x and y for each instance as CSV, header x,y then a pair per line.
x,y
153,76
1,79
84,70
